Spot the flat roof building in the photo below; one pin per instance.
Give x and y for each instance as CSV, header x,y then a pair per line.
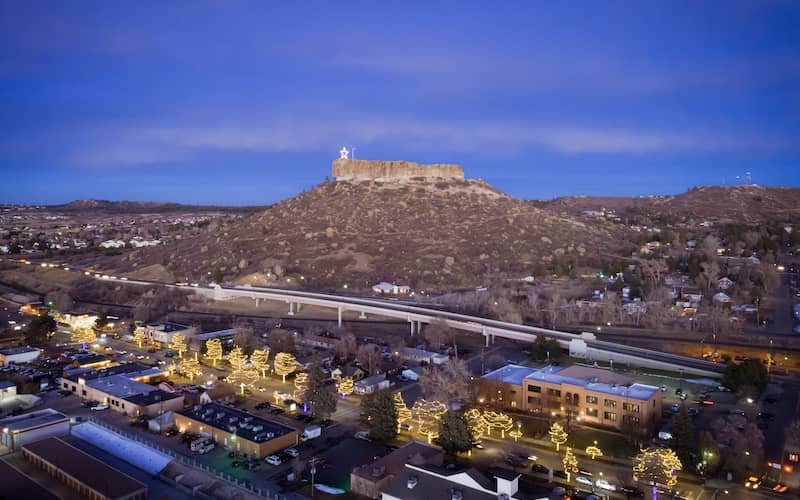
x,y
237,430
17,431
85,474
593,395
24,354
17,484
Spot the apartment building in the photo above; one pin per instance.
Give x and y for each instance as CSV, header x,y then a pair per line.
x,y
585,394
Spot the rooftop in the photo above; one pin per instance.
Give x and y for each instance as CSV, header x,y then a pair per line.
x,y
151,397
218,334
5,384
129,369
436,482
413,452
555,375
120,386
246,426
31,420
375,379
510,374
18,350
84,468
18,485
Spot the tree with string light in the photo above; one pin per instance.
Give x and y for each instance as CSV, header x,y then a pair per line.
x,y
214,350
285,363
558,435
570,463
657,466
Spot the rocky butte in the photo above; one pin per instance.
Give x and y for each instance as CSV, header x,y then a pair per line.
x,y
345,169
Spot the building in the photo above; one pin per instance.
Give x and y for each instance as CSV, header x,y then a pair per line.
x,y
18,355
423,482
371,384
422,356
85,474
236,430
30,427
384,288
370,479
591,395
163,332
8,390
123,391
17,484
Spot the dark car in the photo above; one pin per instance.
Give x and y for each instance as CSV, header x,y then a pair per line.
x,y
262,406
765,415
170,432
299,416
560,473
632,491
693,412
276,410
326,423
540,469
308,418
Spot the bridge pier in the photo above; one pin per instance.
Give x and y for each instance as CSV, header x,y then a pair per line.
x,y
363,315
291,308
340,316
257,302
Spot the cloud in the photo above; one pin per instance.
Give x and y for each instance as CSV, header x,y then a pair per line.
x,y
174,143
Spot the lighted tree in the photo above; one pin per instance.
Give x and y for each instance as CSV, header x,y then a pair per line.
x,y
429,428
178,344
570,463
260,359
558,435
657,466
248,375
428,410
285,363
189,367
345,386
300,384
498,420
83,335
237,360
403,413
476,422
516,434
594,451
139,336
214,350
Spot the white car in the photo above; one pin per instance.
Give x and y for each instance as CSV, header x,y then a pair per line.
x,y
99,408
292,452
273,460
605,485
583,480
405,426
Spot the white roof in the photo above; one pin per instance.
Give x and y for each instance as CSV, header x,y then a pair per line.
x,y
133,452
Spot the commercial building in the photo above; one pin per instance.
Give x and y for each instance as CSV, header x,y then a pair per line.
x,y
586,394
163,332
17,484
121,390
237,430
18,431
8,390
422,356
85,474
370,479
18,355
424,482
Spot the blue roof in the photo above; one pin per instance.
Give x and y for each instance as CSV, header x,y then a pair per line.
x,y
636,391
510,374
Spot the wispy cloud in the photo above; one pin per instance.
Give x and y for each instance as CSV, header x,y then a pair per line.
x,y
173,143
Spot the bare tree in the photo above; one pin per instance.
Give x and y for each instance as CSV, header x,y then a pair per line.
x,y
553,310
369,355
436,332
244,336
347,346
448,382
505,310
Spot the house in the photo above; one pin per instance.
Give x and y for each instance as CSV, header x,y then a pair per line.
x,y
163,332
354,372
721,298
421,355
112,244
370,479
423,482
724,283
384,288
372,384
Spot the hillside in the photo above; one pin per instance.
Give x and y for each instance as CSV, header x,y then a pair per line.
x,y
136,207
429,234
722,204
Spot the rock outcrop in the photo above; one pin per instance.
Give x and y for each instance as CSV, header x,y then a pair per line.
x,y
349,170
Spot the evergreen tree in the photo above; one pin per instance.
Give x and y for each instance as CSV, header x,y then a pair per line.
x,y
39,329
683,434
101,321
454,433
379,414
321,398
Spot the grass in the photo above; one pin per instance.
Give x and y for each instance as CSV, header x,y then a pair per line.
x,y
611,444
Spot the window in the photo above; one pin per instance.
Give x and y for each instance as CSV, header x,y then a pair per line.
x,y
83,392
592,400
632,407
630,419
66,386
608,415
534,388
591,412
610,403
534,401
554,392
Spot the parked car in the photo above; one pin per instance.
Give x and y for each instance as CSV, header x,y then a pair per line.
x,y
605,485
562,474
405,426
584,480
273,460
539,469
99,408
632,491
292,452
170,432
363,435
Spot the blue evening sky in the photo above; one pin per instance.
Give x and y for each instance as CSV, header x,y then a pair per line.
x,y
241,102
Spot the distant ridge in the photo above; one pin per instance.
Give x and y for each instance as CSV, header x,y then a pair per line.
x,y
92,205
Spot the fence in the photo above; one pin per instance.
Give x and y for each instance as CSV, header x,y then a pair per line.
x,y
193,463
